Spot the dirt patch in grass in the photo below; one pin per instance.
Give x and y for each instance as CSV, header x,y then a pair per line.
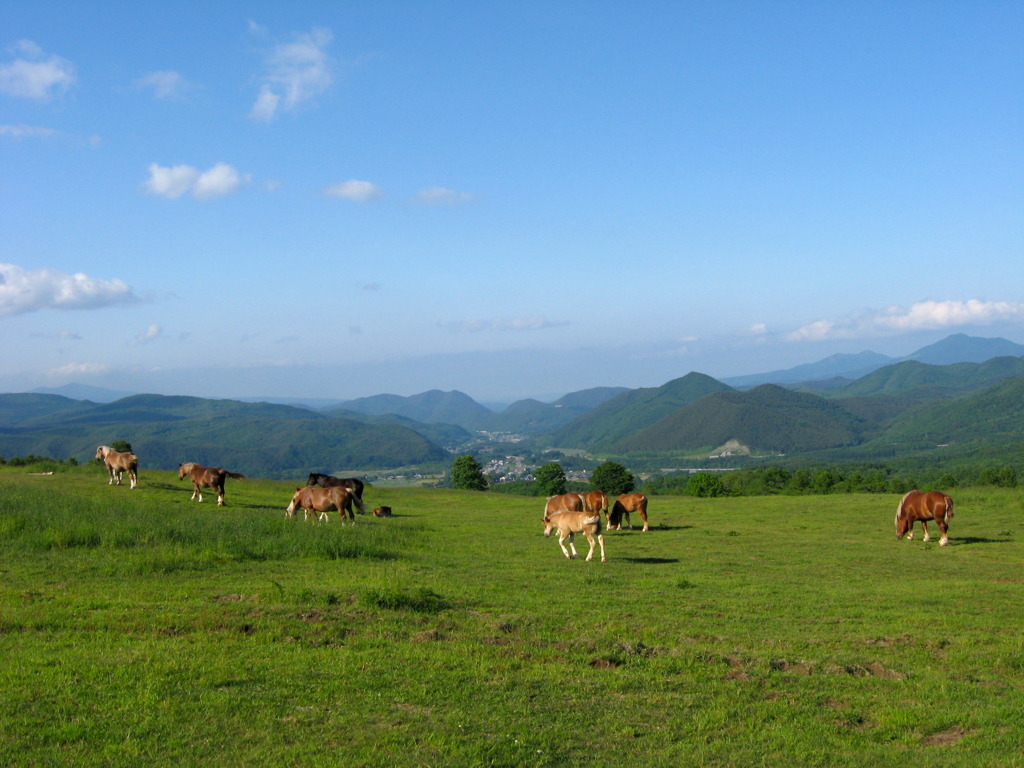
x,y
946,738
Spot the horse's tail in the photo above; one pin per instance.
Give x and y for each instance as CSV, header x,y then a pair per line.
x,y
949,510
236,475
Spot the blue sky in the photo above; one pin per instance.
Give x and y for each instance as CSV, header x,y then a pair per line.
x,y
512,199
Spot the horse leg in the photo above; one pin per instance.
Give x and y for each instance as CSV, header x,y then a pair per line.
x,y
643,516
924,525
944,540
220,495
590,538
628,522
561,543
133,478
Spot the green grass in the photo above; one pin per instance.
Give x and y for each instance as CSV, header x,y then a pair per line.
x,y
140,628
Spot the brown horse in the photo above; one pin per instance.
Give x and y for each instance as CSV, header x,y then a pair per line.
x,y
353,484
573,502
596,502
206,477
118,462
626,503
320,501
921,507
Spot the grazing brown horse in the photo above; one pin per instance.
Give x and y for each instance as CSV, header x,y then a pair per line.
x,y
382,512
206,477
319,501
569,523
921,507
118,462
626,503
353,484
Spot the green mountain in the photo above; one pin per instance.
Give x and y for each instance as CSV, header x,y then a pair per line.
x,y
258,439
766,418
633,410
992,416
24,408
921,382
433,407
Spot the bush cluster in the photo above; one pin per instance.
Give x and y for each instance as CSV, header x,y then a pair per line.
x,y
823,480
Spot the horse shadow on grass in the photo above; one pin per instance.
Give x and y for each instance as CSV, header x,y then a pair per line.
x,y
968,540
652,529
652,560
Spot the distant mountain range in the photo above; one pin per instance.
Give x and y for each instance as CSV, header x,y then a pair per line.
x,y
958,348
950,394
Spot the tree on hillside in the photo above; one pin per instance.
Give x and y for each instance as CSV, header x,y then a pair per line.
x,y
121,446
550,479
468,474
612,478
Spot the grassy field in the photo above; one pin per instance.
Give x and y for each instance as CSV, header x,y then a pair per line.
x,y
140,628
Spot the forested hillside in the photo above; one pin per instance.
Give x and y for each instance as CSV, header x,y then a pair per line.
x,y
767,418
257,439
633,410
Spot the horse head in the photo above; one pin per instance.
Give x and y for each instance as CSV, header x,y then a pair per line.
x,y
102,451
904,521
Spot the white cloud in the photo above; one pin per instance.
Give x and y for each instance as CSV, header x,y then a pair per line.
x,y
442,196
924,315
23,291
165,84
18,132
503,324
354,190
80,369
220,180
35,75
298,71
266,104
152,332
172,182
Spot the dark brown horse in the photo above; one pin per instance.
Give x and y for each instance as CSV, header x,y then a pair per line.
x,y
353,484
319,501
623,506
206,477
118,462
921,507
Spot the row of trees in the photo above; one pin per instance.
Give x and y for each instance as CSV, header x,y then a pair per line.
x,y
614,479
775,480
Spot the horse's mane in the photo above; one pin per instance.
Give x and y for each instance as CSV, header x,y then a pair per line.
x,y
188,466
899,509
